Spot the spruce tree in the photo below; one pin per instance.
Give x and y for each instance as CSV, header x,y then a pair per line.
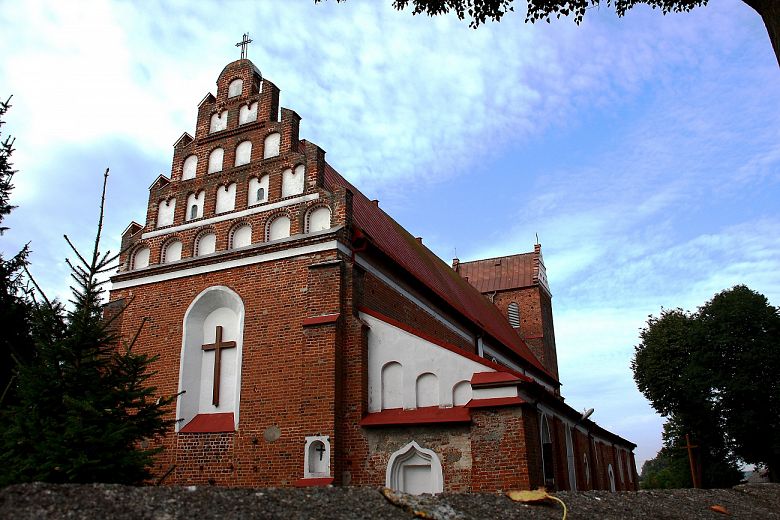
x,y
84,404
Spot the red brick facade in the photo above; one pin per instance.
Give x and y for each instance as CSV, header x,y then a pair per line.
x,y
303,369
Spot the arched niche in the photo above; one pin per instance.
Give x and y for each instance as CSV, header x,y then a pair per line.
x,y
570,460
215,310
226,198
611,477
235,88
165,210
215,160
258,190
241,236
271,145
205,244
243,153
318,219
293,181
316,457
461,393
195,203
415,470
427,390
247,114
171,251
392,382
279,228
140,258
189,167
218,122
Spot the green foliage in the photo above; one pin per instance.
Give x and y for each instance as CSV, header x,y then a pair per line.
x,y
668,470
713,373
15,307
84,407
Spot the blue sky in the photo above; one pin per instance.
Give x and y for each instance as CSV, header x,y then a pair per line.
x,y
643,151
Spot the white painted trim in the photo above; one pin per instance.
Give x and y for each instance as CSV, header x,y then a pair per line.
x,y
362,262
229,216
392,479
239,262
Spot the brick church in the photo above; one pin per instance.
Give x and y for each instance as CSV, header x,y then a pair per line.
x,y
314,341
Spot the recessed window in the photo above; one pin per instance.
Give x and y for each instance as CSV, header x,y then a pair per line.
x,y
247,114
318,219
241,236
218,122
279,228
205,244
189,167
195,203
243,153
171,252
258,190
140,258
194,211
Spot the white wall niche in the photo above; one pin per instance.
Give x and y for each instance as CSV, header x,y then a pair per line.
x,y
414,470
316,457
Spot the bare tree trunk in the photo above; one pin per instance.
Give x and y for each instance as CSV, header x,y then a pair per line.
x,y
770,13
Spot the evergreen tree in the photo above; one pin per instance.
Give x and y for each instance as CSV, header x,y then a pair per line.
x,y
84,407
15,307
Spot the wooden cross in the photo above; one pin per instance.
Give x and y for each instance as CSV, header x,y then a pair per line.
x,y
217,347
320,448
244,43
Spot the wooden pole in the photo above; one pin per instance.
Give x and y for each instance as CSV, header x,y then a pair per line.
x,y
694,476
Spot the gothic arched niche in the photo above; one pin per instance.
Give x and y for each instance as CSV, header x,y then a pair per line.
x,y
414,470
212,331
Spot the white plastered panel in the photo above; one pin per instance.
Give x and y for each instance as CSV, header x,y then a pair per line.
x,y
226,198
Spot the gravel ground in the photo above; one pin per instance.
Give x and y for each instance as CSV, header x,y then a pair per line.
x,y
109,502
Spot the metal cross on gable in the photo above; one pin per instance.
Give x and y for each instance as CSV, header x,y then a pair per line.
x,y
218,346
244,43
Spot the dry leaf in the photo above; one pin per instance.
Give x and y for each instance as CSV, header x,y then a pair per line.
x,y
529,497
720,509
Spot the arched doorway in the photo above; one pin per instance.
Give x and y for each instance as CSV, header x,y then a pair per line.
x,y
415,470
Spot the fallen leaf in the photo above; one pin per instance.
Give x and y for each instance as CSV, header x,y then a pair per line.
x,y
538,495
720,509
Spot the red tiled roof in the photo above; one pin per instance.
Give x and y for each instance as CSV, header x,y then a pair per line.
x,y
497,274
210,422
494,379
494,402
397,243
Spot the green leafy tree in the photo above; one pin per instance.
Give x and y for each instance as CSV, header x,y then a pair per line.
x,y
668,470
15,307
84,404
481,11
713,375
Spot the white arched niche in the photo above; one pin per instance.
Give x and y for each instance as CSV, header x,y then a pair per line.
x,y
427,390
279,228
392,386
195,203
189,168
215,307
226,198
318,219
215,160
316,457
461,393
293,180
218,122
415,470
165,212
243,153
235,88
140,258
241,236
258,190
171,251
205,244
247,114
271,145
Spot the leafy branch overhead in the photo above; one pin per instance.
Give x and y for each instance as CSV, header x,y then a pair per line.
x,y
480,11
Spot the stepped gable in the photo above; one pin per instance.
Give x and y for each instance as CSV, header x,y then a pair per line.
x,y
397,243
499,274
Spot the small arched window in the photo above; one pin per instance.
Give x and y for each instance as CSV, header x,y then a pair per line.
x,y
243,153
194,211
140,258
271,145
258,190
215,160
513,313
279,228
189,167
195,203
205,244
171,252
235,88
